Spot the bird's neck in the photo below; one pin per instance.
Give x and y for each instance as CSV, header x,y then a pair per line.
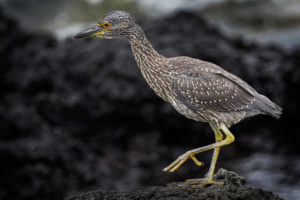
x,y
145,55
151,63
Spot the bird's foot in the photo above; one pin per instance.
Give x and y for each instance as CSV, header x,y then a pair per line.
x,y
200,182
180,160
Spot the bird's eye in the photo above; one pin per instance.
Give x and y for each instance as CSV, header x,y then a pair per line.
x,y
105,24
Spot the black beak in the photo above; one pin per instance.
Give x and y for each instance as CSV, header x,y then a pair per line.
x,y
90,32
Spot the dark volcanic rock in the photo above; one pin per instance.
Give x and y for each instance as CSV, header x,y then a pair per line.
x,y
233,189
77,115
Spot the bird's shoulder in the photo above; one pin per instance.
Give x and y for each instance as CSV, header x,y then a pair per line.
x,y
183,63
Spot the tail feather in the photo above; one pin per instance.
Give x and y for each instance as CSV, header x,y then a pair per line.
x,y
266,106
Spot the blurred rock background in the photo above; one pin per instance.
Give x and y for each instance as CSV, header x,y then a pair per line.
x,y
78,116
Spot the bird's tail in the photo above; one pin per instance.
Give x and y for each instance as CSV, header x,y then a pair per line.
x,y
266,106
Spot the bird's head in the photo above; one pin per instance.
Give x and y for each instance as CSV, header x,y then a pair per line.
x,y
112,25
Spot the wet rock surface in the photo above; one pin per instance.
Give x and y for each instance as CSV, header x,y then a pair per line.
x,y
78,116
233,189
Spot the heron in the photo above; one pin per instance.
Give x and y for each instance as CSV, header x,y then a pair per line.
x,y
197,89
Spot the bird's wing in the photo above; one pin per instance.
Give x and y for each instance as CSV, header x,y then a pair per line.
x,y
216,91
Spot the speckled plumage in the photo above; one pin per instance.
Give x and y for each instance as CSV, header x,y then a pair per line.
x,y
197,89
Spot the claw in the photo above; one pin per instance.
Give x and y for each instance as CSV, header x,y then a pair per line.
x,y
191,180
180,160
196,161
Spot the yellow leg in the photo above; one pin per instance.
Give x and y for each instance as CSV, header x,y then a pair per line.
x,y
196,183
219,138
229,138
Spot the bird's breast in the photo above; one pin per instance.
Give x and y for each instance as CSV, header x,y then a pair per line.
x,y
158,82
156,75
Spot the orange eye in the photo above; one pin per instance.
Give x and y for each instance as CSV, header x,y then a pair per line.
x,y
105,24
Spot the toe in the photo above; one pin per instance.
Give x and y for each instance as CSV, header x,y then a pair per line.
x,y
201,182
207,182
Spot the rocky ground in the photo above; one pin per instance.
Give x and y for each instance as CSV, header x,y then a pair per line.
x,y
78,116
233,189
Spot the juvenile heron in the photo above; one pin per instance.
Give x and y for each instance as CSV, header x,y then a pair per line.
x,y
199,90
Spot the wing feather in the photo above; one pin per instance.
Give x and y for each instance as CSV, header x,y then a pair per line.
x,y
200,90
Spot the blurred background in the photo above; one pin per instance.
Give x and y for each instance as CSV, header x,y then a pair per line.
x,y
77,115
265,21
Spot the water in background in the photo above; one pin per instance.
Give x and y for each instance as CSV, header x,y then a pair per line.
x,y
266,21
